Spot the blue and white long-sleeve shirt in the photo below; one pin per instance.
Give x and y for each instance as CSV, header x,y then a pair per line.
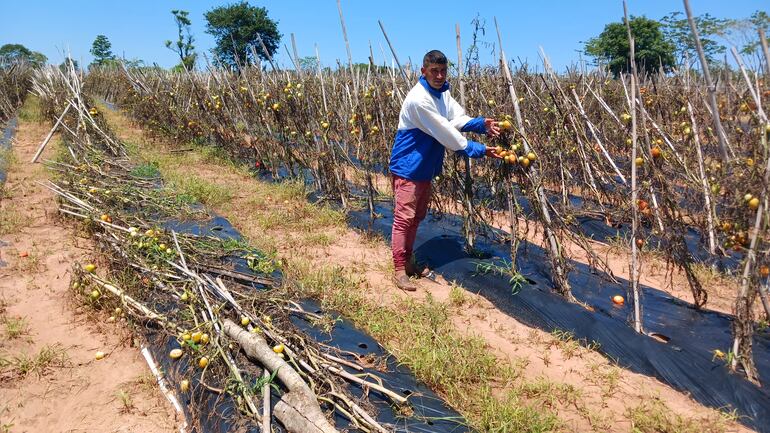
x,y
431,120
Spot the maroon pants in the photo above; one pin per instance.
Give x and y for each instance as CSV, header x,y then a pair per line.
x,y
411,207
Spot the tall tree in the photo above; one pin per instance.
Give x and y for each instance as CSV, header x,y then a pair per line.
x,y
237,28
101,49
18,52
309,64
743,33
184,44
677,30
611,47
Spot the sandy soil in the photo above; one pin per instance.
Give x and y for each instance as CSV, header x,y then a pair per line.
x,y
604,394
50,380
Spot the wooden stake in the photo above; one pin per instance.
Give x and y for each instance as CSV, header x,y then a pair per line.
x,y
395,56
50,134
634,191
763,42
347,47
557,259
267,53
723,144
469,226
266,402
296,56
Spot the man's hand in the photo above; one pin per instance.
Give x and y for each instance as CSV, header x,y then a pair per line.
x,y
492,129
491,152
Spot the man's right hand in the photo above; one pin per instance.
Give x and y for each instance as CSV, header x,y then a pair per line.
x,y
491,152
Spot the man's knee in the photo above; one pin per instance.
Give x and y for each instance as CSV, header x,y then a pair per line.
x,y
404,214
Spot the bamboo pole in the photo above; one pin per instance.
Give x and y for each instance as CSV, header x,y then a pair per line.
x,y
296,56
267,52
763,42
634,271
723,143
266,402
595,135
395,56
557,259
469,226
50,134
754,94
161,381
704,182
347,48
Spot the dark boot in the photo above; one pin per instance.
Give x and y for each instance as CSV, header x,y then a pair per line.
x,y
417,270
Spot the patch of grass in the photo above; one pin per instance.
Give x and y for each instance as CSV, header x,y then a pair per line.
x,y
10,221
30,111
502,268
7,159
60,151
216,154
509,413
326,216
373,239
146,382
232,245
147,170
433,349
606,377
600,420
653,416
49,357
550,393
15,327
317,239
127,403
30,264
201,191
565,341
457,296
289,190
272,219
710,276
569,345
324,283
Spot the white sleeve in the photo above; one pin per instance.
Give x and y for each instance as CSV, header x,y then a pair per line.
x,y
456,113
427,118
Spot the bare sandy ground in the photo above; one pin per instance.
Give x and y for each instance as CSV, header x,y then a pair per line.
x,y
50,380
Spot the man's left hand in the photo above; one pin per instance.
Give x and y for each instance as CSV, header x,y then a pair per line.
x,y
492,129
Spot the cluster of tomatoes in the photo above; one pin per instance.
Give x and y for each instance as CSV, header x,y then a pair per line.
x,y
510,156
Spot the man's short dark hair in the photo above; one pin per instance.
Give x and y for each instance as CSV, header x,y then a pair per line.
x,y
434,56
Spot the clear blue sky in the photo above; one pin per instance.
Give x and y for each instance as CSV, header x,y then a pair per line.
x,y
138,28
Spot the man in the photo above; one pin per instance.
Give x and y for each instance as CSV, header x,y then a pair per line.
x,y
430,120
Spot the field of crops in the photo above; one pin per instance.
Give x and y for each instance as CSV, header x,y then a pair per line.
x,y
568,150
662,168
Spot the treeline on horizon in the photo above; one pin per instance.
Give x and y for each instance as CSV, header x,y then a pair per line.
x,y
245,35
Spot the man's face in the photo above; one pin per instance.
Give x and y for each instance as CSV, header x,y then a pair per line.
x,y
435,74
